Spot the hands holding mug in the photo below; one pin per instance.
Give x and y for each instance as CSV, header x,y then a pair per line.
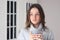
x,y
36,36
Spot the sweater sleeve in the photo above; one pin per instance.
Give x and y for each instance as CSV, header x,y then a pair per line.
x,y
21,35
50,36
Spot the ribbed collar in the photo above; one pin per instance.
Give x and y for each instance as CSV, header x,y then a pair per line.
x,y
36,30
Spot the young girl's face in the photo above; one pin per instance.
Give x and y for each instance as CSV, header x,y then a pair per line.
x,y
35,16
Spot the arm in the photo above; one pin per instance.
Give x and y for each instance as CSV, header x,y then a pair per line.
x,y
50,36
21,36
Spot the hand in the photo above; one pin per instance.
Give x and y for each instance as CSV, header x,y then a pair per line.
x,y
36,36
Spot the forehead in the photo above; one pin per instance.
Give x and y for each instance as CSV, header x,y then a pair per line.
x,y
34,10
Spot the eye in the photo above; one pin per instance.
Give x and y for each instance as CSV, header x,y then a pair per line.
x,y
31,14
37,14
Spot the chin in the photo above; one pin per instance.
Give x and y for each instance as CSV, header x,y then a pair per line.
x,y
34,23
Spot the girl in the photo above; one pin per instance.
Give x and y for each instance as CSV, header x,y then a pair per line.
x,y
35,25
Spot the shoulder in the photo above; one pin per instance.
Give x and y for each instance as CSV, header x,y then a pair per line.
x,y
49,32
50,35
23,30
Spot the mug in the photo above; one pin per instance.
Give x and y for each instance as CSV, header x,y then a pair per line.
x,y
34,36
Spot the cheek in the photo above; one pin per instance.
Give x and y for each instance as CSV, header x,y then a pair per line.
x,y
31,18
38,18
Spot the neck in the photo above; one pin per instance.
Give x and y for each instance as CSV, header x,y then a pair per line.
x,y
36,25
36,29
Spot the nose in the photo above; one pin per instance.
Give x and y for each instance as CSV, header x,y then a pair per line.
x,y
34,17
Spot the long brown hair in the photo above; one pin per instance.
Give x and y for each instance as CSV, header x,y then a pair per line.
x,y
42,15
